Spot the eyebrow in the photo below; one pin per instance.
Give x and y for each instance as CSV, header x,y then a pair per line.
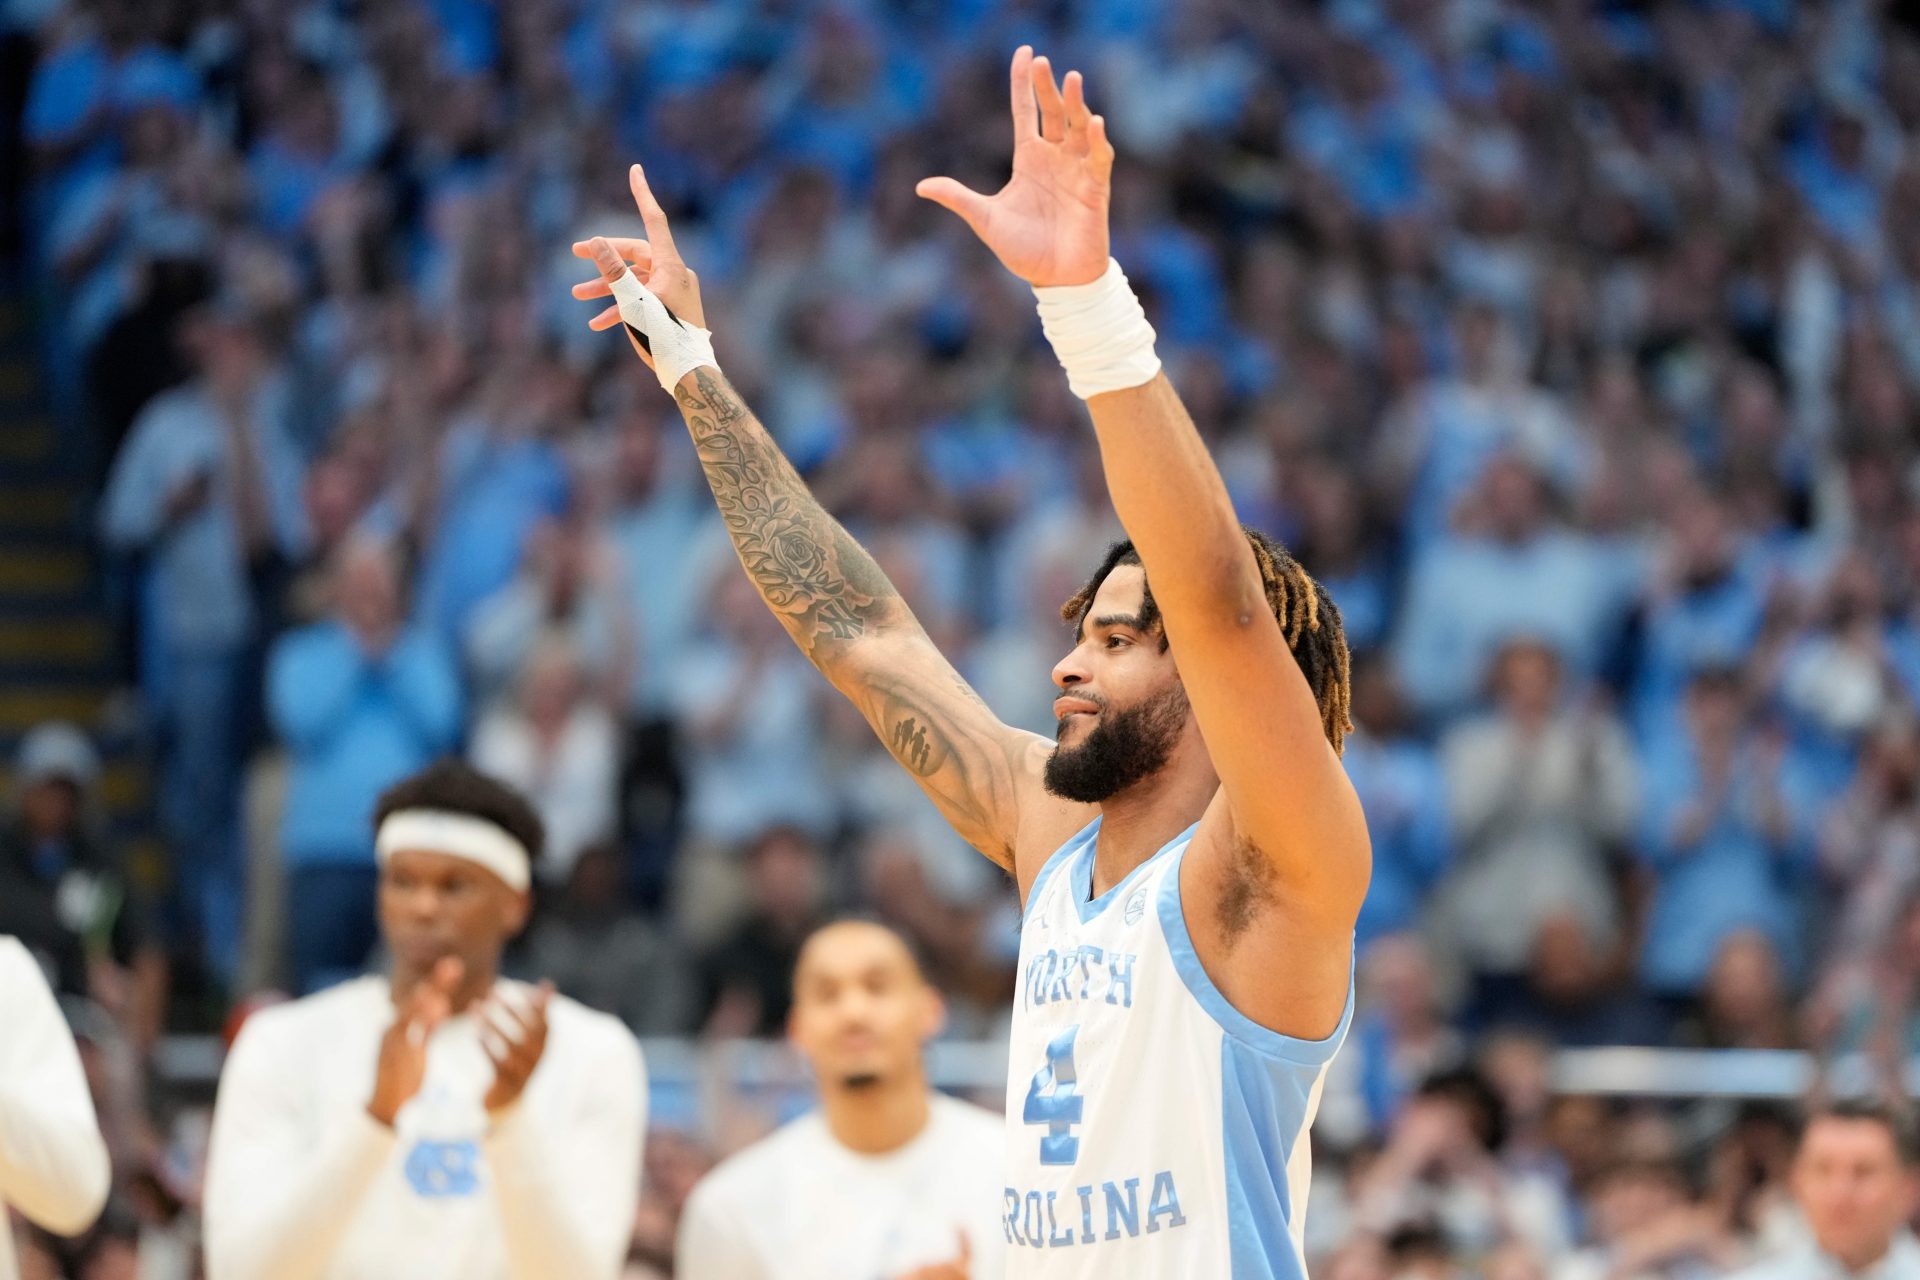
x,y
1132,621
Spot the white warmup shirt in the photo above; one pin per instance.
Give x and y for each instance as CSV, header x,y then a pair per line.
x,y
799,1206
302,1184
53,1162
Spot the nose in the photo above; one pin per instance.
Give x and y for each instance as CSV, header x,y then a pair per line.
x,y
422,904
1071,670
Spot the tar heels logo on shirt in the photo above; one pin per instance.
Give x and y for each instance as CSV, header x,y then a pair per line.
x,y
1136,906
441,1170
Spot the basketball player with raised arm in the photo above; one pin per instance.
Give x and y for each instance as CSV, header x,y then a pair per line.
x,y
1191,856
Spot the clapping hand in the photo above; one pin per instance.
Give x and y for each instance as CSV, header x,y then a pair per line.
x,y
514,1038
403,1049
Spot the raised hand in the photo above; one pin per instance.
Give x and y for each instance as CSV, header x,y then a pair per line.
x,y
403,1049
1048,225
514,1040
655,261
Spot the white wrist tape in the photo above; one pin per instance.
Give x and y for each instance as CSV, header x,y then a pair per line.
x,y
1099,333
677,347
458,835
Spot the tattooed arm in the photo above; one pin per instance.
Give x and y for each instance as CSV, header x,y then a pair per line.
x,y
832,598
847,618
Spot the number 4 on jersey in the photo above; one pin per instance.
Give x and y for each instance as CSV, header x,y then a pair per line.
x,y
1054,1100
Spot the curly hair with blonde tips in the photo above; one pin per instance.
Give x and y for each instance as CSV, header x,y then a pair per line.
x,y
1308,619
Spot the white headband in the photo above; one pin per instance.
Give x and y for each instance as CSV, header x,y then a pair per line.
x,y
458,835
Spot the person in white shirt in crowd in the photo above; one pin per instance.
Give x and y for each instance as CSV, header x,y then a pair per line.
x,y
888,1180
53,1161
558,743
436,1121
1856,1179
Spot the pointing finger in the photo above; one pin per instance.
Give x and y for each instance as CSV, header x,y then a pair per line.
x,y
658,232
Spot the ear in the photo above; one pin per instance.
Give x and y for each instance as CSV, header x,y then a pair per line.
x,y
933,1017
514,912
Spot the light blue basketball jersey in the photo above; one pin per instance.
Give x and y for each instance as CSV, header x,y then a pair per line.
x,y
1152,1129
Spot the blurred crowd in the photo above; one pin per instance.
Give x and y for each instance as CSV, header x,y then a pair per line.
x,y
1574,345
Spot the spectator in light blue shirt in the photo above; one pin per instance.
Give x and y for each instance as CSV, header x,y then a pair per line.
x,y
206,491
654,524
1719,838
1405,799
361,701
499,477
1707,605
1520,575
1856,1179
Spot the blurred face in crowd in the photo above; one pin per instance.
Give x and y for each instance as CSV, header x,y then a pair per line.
x,y
783,872
1906,937
366,588
1399,979
1526,680
1715,708
434,905
1743,987
1853,1187
861,1008
1633,1197
1378,707
1513,502
1122,709
637,462
551,685
1703,546
51,807
1478,335
1567,968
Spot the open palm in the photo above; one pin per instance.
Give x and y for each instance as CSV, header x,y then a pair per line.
x,y
1049,223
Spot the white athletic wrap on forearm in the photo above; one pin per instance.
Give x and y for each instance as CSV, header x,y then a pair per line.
x,y
457,835
1099,333
677,347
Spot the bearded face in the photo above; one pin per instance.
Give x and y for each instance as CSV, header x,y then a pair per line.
x,y
1126,745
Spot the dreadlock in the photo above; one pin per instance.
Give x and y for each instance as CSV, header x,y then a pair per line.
x,y
1307,615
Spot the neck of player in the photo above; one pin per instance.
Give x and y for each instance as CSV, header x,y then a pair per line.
x,y
878,1118
1137,823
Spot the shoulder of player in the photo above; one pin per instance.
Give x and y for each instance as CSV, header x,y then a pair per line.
x,y
762,1167
15,959
965,1122
318,1015
590,1026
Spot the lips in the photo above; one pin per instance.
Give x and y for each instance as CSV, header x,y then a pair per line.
x,y
1064,707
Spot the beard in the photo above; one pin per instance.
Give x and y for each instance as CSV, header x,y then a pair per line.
x,y
1125,747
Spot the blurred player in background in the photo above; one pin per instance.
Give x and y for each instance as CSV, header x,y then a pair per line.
x,y
53,1161
888,1180
1190,853
438,1121
1856,1179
